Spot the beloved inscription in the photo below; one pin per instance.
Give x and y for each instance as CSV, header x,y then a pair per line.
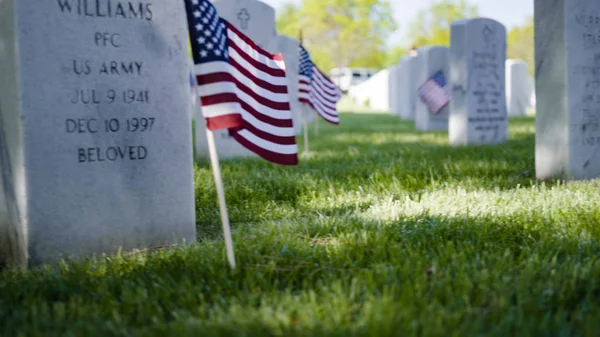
x,y
487,88
88,95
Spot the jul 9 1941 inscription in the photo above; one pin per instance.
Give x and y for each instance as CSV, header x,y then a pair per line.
x,y
98,94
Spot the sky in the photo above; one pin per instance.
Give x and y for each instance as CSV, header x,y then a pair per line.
x,y
509,12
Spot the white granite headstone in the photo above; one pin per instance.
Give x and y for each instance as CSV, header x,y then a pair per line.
x,y
431,59
519,88
407,94
567,57
477,60
289,48
256,20
393,90
95,128
373,93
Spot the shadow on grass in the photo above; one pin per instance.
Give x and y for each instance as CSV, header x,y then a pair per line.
x,y
378,152
467,275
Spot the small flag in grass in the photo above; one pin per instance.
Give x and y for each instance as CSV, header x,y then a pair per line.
x,y
434,93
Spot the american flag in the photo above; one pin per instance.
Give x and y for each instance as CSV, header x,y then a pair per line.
x,y
317,90
434,93
242,87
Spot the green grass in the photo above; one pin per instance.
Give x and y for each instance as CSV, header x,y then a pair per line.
x,y
383,231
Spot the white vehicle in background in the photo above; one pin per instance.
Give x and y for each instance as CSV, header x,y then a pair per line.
x,y
345,78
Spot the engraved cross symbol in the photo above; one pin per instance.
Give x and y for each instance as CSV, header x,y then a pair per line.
x,y
244,17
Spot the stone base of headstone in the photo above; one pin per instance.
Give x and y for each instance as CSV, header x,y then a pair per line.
x,y
431,59
567,82
477,60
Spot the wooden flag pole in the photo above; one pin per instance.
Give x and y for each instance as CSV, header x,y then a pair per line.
x,y
216,168
305,122
304,110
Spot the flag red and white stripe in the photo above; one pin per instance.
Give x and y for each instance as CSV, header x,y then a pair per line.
x,y
242,86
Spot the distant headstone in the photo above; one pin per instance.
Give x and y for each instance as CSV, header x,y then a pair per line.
x,y
567,58
95,129
257,21
431,60
477,60
254,18
393,90
519,88
374,92
289,48
407,91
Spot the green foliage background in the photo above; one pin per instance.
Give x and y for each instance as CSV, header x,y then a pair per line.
x,y
353,33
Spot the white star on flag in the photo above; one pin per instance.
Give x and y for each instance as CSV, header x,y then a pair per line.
x,y
197,14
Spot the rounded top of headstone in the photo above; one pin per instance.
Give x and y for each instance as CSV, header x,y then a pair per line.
x,y
405,60
286,39
254,18
477,21
428,48
267,12
282,43
510,62
254,3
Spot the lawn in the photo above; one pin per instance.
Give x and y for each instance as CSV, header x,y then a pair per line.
x,y
382,231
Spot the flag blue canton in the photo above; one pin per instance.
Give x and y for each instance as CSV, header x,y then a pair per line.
x,y
439,78
208,33
306,66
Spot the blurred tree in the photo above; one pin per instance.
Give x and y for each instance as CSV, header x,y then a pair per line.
x,y
520,44
341,33
395,54
432,25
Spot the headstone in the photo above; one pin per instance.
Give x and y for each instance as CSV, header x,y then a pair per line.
x,y
393,90
289,48
477,60
257,21
407,91
254,18
567,58
373,93
519,88
431,60
95,129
